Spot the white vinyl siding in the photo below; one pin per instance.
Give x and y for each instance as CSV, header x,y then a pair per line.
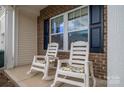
x,y
27,38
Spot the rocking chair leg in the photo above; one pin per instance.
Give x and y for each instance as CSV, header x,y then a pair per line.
x,y
92,75
29,72
94,82
45,76
54,83
46,71
55,80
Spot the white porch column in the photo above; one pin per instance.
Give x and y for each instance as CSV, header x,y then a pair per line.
x,y
9,31
115,46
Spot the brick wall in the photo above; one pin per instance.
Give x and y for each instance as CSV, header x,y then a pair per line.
x,y
99,59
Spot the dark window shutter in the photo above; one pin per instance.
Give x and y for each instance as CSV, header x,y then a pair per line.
x,y
46,33
96,28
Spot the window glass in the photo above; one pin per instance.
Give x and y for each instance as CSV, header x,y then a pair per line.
x,y
57,29
77,36
70,16
77,22
84,11
57,25
58,39
77,13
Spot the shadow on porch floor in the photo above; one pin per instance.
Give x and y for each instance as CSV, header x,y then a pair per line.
x,y
19,75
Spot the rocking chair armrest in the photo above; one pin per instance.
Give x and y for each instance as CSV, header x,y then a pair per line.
x,y
89,66
39,56
90,63
54,58
87,62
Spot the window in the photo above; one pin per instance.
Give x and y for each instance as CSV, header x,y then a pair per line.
x,y
70,27
78,26
83,23
57,30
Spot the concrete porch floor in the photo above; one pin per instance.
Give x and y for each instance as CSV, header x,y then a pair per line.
x,y
20,77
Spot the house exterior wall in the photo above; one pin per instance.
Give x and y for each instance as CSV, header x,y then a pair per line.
x,y
26,36
99,59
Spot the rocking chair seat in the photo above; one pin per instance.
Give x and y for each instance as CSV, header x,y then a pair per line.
x,y
73,69
41,61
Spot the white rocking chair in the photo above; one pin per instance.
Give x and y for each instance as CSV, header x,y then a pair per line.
x,y
78,70
46,62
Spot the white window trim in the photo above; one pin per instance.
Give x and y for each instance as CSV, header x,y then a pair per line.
x,y
65,35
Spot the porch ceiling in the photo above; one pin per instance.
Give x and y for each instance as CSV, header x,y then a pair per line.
x,y
32,9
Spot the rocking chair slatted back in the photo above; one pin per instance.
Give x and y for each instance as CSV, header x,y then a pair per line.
x,y
79,52
52,49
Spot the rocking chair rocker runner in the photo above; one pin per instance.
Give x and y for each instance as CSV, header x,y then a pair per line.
x,y
43,63
78,67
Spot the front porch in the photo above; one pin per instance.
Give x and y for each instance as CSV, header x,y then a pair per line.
x,y
20,77
32,37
